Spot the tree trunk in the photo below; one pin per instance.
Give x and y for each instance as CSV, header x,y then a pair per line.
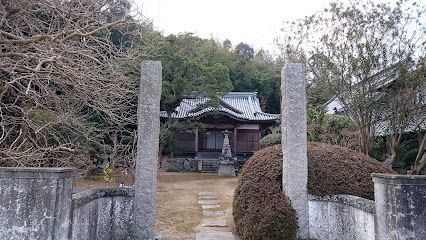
x,y
364,141
390,159
393,142
160,153
420,163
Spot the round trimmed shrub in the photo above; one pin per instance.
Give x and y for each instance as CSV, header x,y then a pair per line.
x,y
270,140
260,209
333,170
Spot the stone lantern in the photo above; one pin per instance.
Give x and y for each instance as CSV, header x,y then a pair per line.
x,y
226,161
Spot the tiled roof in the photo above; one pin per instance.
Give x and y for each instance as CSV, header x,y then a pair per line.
x,y
240,105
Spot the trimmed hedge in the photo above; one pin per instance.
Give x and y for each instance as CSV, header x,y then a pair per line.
x,y
260,209
333,170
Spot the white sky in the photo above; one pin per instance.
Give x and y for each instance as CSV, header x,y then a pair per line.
x,y
251,21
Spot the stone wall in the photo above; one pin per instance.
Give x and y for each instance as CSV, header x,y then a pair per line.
x,y
181,164
35,203
102,214
400,206
341,217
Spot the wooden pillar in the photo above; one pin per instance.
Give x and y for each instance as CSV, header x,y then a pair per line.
x,y
196,140
260,136
234,140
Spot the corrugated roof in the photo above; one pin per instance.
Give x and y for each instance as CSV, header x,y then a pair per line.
x,y
241,105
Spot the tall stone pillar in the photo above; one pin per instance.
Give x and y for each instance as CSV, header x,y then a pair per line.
x,y
147,155
35,203
294,142
400,206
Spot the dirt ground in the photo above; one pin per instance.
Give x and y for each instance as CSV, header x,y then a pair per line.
x,y
178,212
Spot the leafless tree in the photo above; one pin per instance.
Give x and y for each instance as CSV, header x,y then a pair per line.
x,y
348,44
63,91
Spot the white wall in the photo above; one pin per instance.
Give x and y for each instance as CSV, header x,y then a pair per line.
x,y
331,106
341,217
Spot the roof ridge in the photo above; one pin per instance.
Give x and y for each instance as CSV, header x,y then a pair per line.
x,y
230,94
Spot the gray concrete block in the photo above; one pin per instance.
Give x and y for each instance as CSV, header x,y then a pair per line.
x,y
226,169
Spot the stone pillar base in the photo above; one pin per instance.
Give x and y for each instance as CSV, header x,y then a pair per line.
x,y
226,169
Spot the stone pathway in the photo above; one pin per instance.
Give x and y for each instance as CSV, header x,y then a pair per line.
x,y
213,219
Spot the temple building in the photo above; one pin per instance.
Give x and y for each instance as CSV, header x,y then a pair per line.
x,y
238,112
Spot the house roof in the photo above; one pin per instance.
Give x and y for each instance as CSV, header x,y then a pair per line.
x,y
243,106
379,80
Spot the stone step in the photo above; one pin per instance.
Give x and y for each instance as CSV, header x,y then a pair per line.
x,y
210,206
210,166
207,197
208,202
214,236
206,194
207,213
213,223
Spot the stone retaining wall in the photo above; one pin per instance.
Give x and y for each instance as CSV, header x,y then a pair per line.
x,y
102,214
341,217
182,164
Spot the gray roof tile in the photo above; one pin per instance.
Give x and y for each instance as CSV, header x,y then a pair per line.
x,y
241,105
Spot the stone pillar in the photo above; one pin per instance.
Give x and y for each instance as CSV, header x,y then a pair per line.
x,y
35,203
400,206
147,155
294,142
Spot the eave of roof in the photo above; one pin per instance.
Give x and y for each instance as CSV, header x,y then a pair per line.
x,y
243,106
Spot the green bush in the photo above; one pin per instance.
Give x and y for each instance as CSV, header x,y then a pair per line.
x,y
409,158
316,115
260,209
338,122
270,140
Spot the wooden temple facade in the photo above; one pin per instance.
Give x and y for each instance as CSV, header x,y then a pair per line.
x,y
237,112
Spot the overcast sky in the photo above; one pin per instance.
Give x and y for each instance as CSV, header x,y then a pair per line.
x,y
252,21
